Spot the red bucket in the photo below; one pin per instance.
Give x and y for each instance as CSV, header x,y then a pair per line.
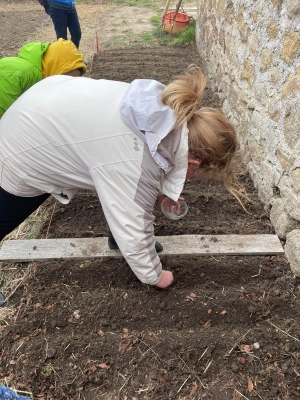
x,y
180,24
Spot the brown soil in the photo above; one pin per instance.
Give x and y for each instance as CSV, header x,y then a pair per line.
x,y
90,330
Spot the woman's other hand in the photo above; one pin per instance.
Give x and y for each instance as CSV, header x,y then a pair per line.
x,y
169,204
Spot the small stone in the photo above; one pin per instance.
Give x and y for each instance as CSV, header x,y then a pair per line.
x,y
285,367
234,367
152,375
76,314
50,352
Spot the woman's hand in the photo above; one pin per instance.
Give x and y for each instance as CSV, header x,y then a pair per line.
x,y
169,204
166,279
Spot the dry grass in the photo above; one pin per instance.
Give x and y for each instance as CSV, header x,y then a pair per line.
x,y
32,226
14,275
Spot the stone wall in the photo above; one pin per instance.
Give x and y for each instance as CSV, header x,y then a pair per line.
x,y
252,52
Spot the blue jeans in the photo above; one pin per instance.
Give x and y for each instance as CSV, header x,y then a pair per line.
x,y
47,9
63,19
9,394
14,210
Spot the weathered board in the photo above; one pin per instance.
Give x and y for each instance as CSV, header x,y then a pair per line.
x,y
184,9
192,13
184,245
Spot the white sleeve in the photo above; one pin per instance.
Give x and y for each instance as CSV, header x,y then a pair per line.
x,y
132,228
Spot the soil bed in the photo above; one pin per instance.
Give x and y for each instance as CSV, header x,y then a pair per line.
x,y
227,329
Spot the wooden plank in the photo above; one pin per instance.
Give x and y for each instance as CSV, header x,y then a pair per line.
x,y
190,11
186,9
184,245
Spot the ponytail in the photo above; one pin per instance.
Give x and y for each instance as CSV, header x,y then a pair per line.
x,y
183,95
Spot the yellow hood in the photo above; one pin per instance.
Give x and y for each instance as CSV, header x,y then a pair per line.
x,y
61,57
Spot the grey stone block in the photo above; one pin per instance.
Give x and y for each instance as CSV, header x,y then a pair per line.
x,y
293,8
281,221
292,250
290,197
265,192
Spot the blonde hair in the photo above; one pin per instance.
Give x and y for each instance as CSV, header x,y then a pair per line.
x,y
212,138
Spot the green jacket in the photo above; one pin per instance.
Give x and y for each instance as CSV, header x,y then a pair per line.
x,y
17,74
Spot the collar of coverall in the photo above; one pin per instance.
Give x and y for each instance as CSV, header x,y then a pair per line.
x,y
145,114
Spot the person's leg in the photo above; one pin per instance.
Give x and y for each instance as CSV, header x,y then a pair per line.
x,y
14,210
47,9
60,22
112,244
74,27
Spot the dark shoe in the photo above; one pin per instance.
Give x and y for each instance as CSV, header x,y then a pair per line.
x,y
158,247
112,244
